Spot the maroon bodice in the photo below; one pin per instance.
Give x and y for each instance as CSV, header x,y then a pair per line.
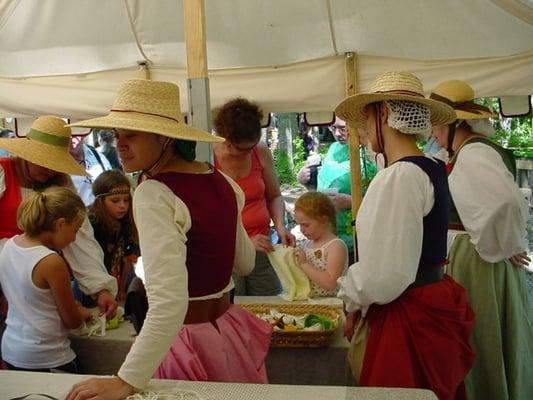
x,y
211,240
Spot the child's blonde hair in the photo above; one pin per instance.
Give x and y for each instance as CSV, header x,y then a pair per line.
x,y
40,210
317,205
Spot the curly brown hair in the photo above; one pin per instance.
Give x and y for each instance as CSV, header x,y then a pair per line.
x,y
317,205
105,182
238,121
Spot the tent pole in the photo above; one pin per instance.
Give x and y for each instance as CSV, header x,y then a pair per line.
x,y
197,75
350,69
144,71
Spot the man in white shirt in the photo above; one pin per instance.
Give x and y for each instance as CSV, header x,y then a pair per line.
x,y
93,162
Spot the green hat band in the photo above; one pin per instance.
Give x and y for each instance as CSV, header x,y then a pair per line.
x,y
46,138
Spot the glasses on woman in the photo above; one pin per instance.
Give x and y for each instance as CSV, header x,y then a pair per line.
x,y
340,128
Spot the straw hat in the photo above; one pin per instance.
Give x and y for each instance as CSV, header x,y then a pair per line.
x,y
149,106
460,96
46,144
392,86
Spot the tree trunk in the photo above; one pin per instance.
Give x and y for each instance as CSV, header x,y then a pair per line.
x,y
287,129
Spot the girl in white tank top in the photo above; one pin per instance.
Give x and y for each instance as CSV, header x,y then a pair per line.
x,y
35,280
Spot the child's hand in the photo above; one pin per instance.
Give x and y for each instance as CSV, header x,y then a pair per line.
x,y
300,256
85,313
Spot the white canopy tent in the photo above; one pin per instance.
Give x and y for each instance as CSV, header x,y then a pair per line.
x,y
67,57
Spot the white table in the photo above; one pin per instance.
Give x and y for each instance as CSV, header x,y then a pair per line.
x,y
16,384
295,366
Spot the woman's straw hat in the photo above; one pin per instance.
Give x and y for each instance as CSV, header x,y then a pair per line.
x,y
460,96
392,86
46,144
149,106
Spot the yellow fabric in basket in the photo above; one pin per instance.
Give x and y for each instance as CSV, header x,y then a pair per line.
x,y
295,283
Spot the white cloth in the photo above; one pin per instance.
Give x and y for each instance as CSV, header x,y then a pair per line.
x,y
295,284
84,184
35,336
163,221
389,232
84,256
490,205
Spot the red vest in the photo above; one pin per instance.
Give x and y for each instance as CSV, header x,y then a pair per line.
x,y
9,201
211,240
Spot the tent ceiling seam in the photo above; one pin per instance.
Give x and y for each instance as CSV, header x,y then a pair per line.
x,y
134,33
331,29
8,10
517,8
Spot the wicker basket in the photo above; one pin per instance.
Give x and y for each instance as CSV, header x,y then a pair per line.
x,y
298,338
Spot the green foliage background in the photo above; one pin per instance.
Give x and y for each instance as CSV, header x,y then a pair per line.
x,y
512,133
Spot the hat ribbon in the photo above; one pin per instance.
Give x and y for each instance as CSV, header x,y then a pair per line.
x,y
145,113
47,138
400,92
468,106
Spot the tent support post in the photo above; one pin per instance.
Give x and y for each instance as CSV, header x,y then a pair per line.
x,y
355,166
197,76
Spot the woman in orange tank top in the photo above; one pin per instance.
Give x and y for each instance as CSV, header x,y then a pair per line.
x,y
249,162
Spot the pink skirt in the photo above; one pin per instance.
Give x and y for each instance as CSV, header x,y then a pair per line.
x,y
233,349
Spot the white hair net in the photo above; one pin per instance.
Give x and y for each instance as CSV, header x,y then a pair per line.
x,y
409,117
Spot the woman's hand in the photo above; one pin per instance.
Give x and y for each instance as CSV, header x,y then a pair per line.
x,y
520,259
341,201
100,389
106,303
121,296
286,237
352,320
262,243
299,255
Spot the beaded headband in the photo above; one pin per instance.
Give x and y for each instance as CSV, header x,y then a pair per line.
x,y
113,192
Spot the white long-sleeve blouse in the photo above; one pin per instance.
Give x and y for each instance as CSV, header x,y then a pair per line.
x,y
491,207
163,221
389,234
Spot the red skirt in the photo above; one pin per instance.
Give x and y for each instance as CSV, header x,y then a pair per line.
x,y
421,340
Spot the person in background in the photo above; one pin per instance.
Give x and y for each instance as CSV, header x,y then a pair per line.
x,y
108,147
249,162
487,236
323,257
36,282
111,216
334,179
188,215
5,134
412,322
93,162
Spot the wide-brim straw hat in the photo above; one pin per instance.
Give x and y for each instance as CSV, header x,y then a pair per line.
x,y
392,86
460,96
149,106
47,145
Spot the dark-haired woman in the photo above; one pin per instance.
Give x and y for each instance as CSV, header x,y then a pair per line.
x,y
249,162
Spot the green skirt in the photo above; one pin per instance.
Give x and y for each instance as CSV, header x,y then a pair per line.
x,y
503,330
